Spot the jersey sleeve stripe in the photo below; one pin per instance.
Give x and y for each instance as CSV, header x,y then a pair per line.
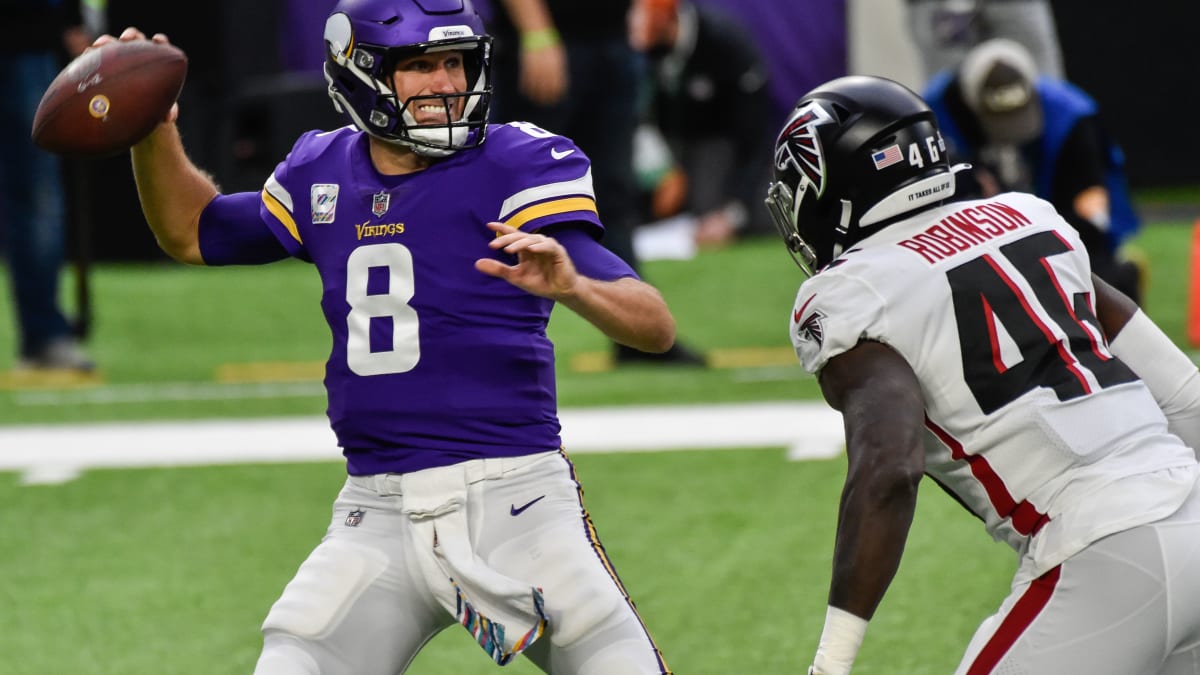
x,y
280,193
280,211
581,186
551,208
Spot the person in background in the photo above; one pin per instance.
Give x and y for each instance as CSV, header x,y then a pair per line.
x,y
968,340
42,35
567,67
1033,133
945,30
443,243
709,100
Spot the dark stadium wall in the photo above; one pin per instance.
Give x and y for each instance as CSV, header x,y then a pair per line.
x,y
104,196
1138,63
245,100
239,114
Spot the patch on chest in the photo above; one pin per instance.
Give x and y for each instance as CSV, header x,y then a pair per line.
x,y
380,202
323,202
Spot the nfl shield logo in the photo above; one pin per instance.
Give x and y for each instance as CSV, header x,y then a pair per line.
x,y
354,518
379,203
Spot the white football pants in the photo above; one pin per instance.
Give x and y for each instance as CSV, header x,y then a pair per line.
x,y
1129,604
361,605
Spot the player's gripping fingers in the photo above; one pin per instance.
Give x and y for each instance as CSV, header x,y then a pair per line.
x,y
129,35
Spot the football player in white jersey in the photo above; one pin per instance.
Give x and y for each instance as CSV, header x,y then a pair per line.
x,y
968,341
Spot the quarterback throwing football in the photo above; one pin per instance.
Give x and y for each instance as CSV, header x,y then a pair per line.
x,y
441,256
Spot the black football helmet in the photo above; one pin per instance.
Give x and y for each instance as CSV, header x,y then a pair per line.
x,y
856,153
364,39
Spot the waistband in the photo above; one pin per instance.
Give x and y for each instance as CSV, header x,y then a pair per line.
x,y
475,470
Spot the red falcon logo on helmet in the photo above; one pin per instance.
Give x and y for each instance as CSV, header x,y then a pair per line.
x,y
802,149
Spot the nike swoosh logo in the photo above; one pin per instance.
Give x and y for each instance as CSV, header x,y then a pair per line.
x,y
518,511
559,154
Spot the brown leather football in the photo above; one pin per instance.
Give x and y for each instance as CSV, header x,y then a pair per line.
x,y
109,98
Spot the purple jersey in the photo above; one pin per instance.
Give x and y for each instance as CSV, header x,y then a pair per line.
x,y
433,362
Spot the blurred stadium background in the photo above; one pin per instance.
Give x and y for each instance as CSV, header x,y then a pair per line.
x,y
117,562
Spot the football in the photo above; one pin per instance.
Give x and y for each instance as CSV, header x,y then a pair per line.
x,y
109,98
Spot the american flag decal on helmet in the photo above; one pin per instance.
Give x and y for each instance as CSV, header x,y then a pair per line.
x,y
799,147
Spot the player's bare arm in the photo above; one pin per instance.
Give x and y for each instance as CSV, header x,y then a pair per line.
x,y
627,310
883,410
172,190
880,399
1113,308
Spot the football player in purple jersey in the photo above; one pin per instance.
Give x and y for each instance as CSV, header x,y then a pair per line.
x,y
441,256
969,340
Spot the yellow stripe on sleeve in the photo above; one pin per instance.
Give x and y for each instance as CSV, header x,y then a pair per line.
x,y
523,216
281,212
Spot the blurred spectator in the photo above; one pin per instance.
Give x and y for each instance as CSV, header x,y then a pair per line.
x,y
709,99
945,30
41,36
1043,135
567,67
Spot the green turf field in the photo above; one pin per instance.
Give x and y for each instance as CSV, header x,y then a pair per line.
x,y
726,552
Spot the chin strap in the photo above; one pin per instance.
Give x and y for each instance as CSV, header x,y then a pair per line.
x,y
842,229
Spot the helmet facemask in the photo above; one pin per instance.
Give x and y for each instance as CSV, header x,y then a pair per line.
x,y
459,131
784,209
800,172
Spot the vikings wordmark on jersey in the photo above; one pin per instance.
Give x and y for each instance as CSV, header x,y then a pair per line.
x,y
410,315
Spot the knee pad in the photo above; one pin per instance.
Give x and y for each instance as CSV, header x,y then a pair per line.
x,y
324,589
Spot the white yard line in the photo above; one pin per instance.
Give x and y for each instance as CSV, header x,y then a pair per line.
x,y
172,391
58,453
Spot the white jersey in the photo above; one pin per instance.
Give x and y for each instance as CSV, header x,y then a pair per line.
x,y
1031,422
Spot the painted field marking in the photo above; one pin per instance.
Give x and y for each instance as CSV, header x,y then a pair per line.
x,y
48,454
